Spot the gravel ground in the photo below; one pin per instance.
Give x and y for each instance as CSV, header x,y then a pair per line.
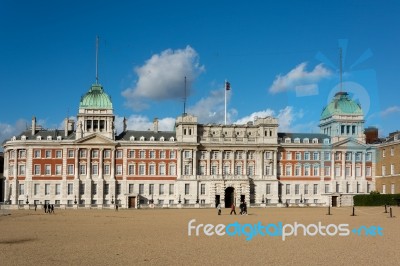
x,y
160,237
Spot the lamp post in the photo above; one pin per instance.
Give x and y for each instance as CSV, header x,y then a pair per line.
x,y
179,201
263,201
112,199
27,201
75,200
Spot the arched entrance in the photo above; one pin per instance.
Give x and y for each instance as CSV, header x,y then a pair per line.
x,y
229,196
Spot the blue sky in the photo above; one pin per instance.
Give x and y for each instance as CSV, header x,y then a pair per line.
x,y
281,58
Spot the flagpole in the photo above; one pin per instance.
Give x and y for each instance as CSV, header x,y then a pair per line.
x,y
225,101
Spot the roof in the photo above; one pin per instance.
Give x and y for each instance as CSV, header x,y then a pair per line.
x,y
96,98
126,135
341,104
302,136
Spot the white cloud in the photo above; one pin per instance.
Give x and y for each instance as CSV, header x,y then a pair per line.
x,y
286,119
390,110
211,108
251,117
140,122
162,77
9,130
298,77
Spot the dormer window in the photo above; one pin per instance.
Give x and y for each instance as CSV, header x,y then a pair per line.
x,y
287,140
49,138
23,137
315,140
171,139
297,140
142,138
58,137
326,141
39,138
162,139
151,138
306,140
132,138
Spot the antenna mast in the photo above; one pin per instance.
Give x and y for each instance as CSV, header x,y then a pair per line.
x,y
97,59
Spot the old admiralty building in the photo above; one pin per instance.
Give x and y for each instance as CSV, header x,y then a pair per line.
x,y
196,165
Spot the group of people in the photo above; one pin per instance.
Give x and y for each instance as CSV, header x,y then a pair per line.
x,y
48,208
243,208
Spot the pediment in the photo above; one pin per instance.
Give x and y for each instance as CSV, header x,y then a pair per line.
x,y
95,139
350,143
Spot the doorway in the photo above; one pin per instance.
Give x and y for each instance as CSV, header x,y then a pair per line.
x,y
132,202
217,200
334,201
229,197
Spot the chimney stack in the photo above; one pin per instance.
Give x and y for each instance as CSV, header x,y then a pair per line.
x,y
66,127
125,125
33,128
155,124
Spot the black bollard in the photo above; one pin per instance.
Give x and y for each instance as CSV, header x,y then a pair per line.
x,y
385,209
353,212
329,210
391,216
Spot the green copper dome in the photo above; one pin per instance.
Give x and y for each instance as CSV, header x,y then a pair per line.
x,y
341,104
96,98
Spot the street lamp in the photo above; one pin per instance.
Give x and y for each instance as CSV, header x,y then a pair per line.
x,y
263,199
75,200
179,201
27,201
112,199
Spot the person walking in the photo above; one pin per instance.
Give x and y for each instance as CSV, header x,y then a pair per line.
x,y
241,206
52,208
34,204
233,209
219,208
45,207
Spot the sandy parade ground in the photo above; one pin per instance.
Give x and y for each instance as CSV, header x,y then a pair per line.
x,y
160,237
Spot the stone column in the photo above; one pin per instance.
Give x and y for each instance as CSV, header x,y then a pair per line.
x,y
89,164
208,167
244,156
363,167
101,154
353,165
179,163
76,166
112,166
332,165
275,164
343,172
194,163
221,166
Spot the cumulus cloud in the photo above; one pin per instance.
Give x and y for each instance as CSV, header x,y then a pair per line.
x,y
162,77
140,122
9,130
298,76
286,119
252,117
210,109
